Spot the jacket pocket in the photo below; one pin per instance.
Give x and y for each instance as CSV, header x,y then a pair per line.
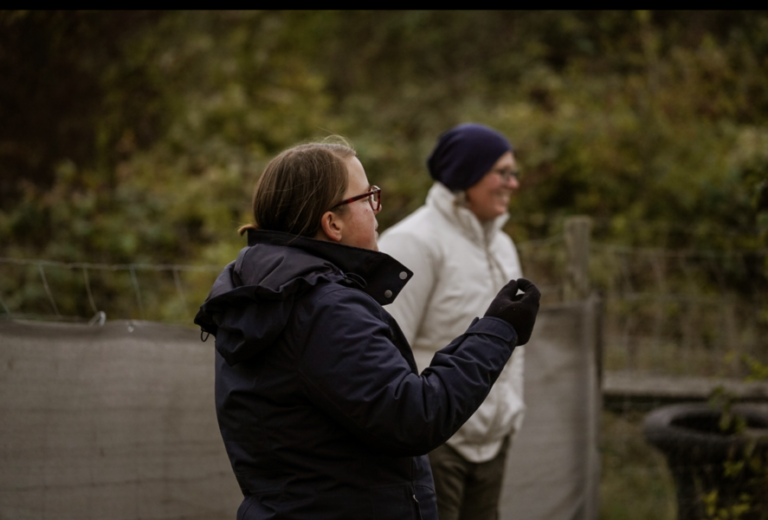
x,y
400,502
386,503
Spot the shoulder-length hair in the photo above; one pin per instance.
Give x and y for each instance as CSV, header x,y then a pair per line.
x,y
299,186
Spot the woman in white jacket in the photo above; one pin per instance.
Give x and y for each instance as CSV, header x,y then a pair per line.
x,y
460,259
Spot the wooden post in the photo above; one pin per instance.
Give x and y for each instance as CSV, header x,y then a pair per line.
x,y
577,231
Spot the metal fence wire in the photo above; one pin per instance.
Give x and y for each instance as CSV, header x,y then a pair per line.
x,y
682,312
48,290
675,312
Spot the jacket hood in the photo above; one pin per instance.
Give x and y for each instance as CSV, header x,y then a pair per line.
x,y
252,299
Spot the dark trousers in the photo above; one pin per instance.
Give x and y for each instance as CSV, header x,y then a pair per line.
x,y
467,490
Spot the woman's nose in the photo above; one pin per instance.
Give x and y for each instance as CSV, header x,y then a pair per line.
x,y
512,183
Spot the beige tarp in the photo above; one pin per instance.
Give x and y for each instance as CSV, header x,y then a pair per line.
x,y
109,423
553,469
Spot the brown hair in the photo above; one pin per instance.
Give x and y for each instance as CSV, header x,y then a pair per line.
x,y
298,186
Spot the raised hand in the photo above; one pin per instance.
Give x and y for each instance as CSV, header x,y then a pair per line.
x,y
519,310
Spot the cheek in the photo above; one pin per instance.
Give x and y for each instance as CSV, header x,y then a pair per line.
x,y
491,188
494,194
365,223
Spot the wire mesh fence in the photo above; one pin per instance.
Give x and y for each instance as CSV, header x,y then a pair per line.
x,y
42,289
683,312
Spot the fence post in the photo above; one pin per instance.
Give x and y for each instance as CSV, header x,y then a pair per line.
x,y
577,231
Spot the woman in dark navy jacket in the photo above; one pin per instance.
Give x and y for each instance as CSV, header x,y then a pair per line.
x,y
322,410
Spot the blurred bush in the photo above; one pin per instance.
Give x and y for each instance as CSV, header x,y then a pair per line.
x,y
138,136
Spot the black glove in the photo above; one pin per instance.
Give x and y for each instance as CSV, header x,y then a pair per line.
x,y
519,310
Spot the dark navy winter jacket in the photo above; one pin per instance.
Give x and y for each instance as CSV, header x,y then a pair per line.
x,y
322,410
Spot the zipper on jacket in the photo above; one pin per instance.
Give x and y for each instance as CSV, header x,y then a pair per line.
x,y
416,500
497,283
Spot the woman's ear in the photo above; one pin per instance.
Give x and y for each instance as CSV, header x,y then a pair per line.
x,y
331,226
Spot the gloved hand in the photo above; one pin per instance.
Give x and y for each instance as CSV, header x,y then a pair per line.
x,y
519,310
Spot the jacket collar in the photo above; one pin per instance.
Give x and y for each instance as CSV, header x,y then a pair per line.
x,y
451,206
375,273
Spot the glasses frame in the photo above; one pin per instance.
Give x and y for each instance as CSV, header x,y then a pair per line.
x,y
375,190
507,175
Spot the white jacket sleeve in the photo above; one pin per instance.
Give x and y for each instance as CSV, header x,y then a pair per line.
x,y
411,304
518,380
518,355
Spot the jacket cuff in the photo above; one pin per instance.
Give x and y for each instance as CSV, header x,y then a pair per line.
x,y
493,327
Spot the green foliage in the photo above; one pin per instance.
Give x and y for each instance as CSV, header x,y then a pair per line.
x,y
757,371
731,512
745,470
634,481
138,137
729,423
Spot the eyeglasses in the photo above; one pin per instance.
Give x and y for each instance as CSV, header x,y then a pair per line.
x,y
506,175
374,199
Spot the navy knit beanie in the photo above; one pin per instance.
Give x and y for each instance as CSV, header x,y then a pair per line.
x,y
464,154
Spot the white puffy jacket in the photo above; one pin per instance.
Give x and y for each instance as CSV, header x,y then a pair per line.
x,y
459,266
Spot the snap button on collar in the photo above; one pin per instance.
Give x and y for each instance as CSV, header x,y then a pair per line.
x,y
388,293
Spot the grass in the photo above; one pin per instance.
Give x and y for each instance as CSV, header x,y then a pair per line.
x,y
635,483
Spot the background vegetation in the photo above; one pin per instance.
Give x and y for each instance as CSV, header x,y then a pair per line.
x,y
139,135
